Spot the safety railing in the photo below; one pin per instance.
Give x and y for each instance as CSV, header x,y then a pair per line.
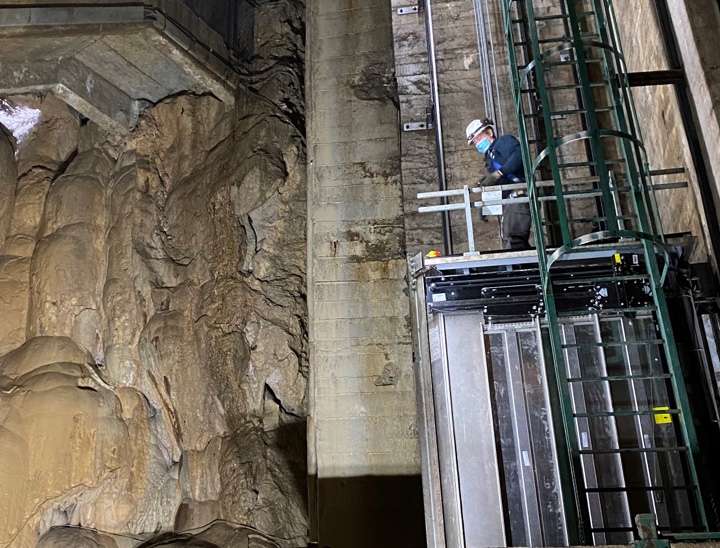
x,y
491,201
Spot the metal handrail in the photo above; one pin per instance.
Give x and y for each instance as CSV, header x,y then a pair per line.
x,y
468,205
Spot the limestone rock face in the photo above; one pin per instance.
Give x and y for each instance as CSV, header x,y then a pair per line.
x,y
67,444
54,140
217,535
153,321
66,537
8,180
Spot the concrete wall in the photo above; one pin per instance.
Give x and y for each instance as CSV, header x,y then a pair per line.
x,y
418,160
697,23
660,120
461,100
364,456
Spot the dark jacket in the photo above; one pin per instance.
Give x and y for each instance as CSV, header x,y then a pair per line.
x,y
506,153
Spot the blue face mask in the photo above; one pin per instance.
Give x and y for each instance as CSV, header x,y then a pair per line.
x,y
483,146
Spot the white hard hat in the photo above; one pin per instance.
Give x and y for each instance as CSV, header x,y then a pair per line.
x,y
478,126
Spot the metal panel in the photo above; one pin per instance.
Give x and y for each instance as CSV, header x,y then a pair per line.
x,y
470,476
474,432
531,479
489,392
552,507
666,470
523,442
496,342
449,480
608,510
638,398
432,497
710,327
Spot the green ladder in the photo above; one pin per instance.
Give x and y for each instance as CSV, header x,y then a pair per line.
x,y
590,187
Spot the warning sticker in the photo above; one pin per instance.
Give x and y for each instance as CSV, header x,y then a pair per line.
x,y
660,417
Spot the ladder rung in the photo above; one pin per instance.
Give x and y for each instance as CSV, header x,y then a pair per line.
x,y
556,64
611,529
562,16
636,489
570,181
550,17
615,189
564,87
570,112
606,311
609,279
562,39
578,194
619,378
567,63
580,111
556,40
591,220
701,536
590,163
614,344
632,450
617,344
626,413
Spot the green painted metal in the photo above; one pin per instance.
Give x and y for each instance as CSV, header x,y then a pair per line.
x,y
613,142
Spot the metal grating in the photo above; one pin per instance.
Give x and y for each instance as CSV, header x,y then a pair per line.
x,y
233,19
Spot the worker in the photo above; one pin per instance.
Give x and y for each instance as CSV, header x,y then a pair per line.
x,y
504,163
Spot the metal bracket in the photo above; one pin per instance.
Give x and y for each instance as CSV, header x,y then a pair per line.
x,y
408,10
416,126
647,530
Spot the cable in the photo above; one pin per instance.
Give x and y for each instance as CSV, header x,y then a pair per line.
x,y
499,114
487,63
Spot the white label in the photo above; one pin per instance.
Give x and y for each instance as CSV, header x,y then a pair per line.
x,y
439,297
584,440
526,458
492,196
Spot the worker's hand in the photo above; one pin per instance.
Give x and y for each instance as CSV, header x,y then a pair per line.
x,y
490,179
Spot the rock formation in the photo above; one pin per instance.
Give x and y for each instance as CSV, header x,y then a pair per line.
x,y
153,318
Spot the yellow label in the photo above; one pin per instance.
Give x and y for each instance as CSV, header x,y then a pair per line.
x,y
618,259
662,418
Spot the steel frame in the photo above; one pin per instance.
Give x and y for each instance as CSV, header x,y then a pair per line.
x,y
648,230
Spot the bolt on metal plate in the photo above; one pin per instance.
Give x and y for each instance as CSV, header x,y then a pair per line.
x,y
415,126
407,10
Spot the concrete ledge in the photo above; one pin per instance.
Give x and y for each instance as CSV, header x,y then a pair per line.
x,y
70,15
108,61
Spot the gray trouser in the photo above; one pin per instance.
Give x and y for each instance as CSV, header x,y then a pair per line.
x,y
516,223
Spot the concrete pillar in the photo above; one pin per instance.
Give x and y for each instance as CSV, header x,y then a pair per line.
x,y
363,449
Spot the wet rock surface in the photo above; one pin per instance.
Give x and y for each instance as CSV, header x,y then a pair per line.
x,y
153,352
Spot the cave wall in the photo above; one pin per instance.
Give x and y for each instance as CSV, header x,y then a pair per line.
x,y
153,349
